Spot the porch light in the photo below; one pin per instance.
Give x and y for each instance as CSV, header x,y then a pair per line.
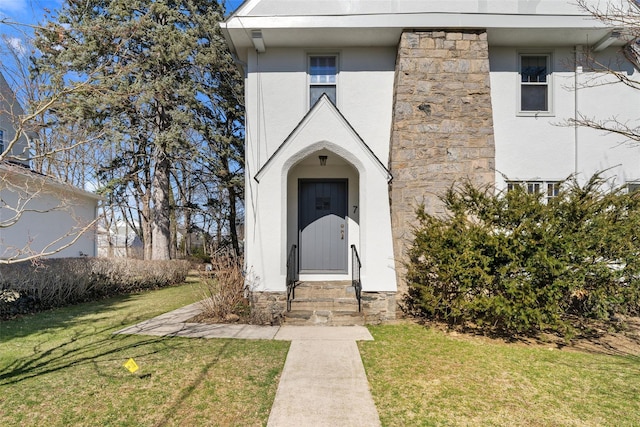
x,y
323,160
258,41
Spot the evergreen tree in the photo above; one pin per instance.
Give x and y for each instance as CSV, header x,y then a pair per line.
x,y
143,62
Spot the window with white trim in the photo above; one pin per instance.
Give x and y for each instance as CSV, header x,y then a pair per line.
x,y
535,76
323,77
1,141
550,189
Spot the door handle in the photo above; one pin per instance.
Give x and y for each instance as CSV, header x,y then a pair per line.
x,y
342,235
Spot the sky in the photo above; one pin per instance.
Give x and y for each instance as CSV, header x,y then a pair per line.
x,y
17,18
31,12
28,12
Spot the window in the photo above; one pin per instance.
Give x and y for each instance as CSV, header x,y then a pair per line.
x,y
534,83
323,71
632,187
1,141
550,189
553,188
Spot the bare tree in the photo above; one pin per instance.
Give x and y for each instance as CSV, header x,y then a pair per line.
x,y
41,214
623,18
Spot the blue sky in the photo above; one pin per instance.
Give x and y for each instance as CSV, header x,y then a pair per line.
x,y
32,11
26,11
29,13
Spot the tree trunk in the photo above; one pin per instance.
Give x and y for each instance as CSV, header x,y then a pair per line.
x,y
161,216
173,246
188,241
233,230
146,228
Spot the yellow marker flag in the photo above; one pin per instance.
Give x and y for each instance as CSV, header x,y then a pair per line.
x,y
131,365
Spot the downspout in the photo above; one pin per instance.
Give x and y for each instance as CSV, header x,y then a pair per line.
x,y
577,71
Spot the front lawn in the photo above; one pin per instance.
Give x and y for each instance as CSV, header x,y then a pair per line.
x,y
426,377
64,367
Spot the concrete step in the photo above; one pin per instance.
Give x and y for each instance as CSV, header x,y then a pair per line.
x,y
336,289
339,304
323,318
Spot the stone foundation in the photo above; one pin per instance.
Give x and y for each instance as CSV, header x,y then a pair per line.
x,y
442,129
378,307
271,306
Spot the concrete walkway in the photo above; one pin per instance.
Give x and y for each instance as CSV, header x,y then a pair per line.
x,y
173,324
323,382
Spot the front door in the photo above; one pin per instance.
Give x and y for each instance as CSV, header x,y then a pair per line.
x,y
322,226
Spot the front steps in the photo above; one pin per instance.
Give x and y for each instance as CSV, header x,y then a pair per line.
x,y
324,304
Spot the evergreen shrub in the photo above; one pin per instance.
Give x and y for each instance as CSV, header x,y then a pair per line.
x,y
518,264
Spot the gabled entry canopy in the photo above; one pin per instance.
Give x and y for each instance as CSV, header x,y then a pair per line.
x,y
324,127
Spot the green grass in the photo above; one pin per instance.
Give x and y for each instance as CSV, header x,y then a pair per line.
x,y
424,377
64,367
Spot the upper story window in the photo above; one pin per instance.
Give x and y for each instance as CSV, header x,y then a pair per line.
x,y
535,77
1,141
323,72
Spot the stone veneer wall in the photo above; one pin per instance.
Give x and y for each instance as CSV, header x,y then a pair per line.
x,y
271,305
377,307
442,129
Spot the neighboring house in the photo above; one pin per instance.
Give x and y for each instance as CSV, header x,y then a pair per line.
x,y
357,111
38,215
119,241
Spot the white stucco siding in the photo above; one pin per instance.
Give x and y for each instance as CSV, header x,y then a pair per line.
x,y
602,97
366,94
265,255
543,147
275,101
271,208
278,96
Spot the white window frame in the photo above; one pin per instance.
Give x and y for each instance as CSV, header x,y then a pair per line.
x,y
549,188
309,77
549,85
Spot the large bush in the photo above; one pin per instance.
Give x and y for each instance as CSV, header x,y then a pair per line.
x,y
228,296
25,287
519,264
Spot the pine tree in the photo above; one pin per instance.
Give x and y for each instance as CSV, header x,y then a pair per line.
x,y
142,61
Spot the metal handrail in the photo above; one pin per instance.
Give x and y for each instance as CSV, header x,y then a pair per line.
x,y
356,265
292,275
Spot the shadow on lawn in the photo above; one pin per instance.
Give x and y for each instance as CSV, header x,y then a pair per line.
x,y
79,349
188,390
69,316
83,344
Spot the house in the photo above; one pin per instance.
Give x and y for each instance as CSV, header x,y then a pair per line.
x,y
357,111
119,240
39,216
